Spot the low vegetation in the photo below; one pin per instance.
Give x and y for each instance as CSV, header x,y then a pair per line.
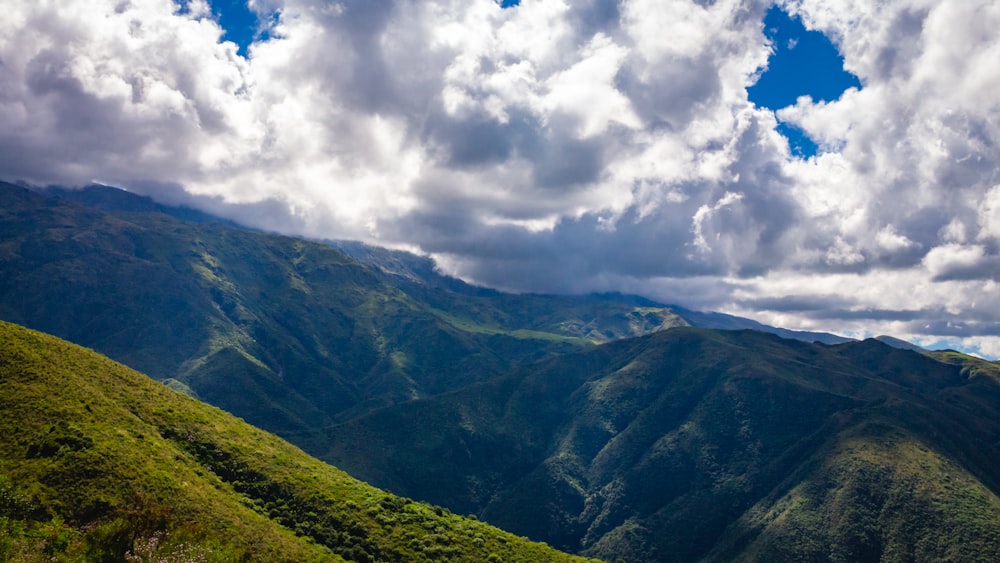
x,y
100,463
703,445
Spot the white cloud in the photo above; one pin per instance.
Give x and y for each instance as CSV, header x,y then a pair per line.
x,y
586,90
989,214
555,146
841,253
704,213
949,260
888,239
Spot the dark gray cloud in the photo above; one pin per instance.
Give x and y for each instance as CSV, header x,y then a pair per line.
x,y
987,268
955,328
874,315
670,97
562,160
799,303
901,56
475,141
272,214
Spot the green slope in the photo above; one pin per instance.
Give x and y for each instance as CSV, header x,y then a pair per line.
x,y
880,493
289,334
692,444
98,461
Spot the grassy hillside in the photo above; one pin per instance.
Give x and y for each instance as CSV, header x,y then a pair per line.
x,y
692,444
289,334
100,463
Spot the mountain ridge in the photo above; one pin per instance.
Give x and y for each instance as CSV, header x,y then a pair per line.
x,y
669,446
290,334
413,267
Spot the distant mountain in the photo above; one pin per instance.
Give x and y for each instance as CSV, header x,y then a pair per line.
x,y
692,444
289,334
408,266
108,198
722,321
898,343
100,463
422,270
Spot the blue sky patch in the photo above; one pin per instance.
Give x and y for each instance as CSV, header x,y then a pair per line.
x,y
239,21
798,142
802,63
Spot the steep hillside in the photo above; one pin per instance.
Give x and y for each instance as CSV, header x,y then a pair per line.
x,y
289,334
100,463
692,444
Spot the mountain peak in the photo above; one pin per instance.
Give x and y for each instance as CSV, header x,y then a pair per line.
x,y
899,343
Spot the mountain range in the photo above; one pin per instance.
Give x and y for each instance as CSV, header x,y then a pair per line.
x,y
422,270
607,425
292,335
692,444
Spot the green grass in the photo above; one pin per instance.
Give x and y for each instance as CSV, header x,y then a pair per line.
x,y
468,325
98,461
971,366
878,493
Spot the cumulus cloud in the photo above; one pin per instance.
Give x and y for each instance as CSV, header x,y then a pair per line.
x,y
553,146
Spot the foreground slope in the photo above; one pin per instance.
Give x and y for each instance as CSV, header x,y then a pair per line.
x,y
97,461
692,444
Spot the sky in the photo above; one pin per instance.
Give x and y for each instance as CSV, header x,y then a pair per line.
x,y
813,164
802,63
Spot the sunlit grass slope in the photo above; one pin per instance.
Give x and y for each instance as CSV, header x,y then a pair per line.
x,y
100,463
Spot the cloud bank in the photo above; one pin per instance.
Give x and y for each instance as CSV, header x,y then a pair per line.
x,y
554,146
